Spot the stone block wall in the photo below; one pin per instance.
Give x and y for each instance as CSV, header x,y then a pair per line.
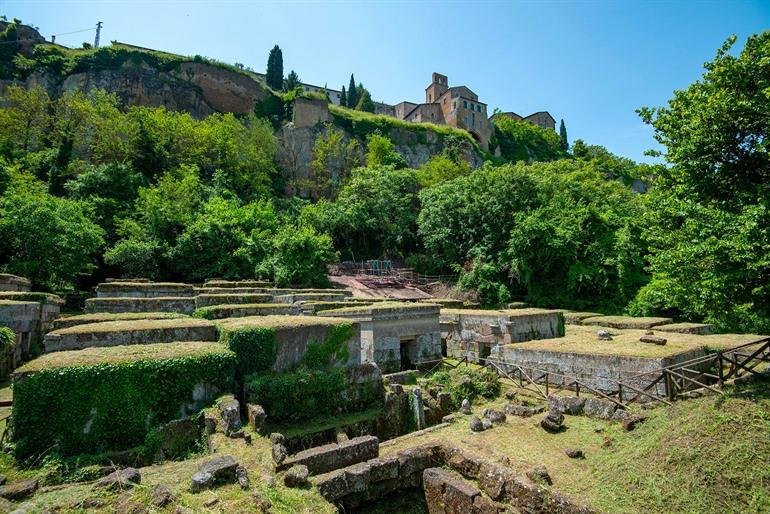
x,y
143,290
329,457
455,489
474,333
386,327
182,305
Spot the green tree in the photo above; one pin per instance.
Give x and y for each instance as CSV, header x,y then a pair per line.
x,y
380,151
709,228
581,247
300,257
524,141
563,136
225,240
274,74
334,156
292,81
352,93
343,98
52,241
365,102
471,217
440,168
374,215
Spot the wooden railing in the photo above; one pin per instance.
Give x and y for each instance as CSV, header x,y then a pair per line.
x,y
665,385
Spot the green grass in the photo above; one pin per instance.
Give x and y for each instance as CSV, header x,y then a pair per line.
x,y
131,325
363,123
81,319
120,354
280,322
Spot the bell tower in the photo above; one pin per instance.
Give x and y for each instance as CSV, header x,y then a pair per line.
x,y
437,88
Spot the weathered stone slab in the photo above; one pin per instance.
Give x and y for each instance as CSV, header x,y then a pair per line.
x,y
701,329
206,300
625,322
323,459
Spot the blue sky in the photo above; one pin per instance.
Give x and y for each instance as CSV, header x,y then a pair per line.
x,y
591,63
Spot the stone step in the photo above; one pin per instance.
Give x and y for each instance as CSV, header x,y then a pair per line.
x,y
116,333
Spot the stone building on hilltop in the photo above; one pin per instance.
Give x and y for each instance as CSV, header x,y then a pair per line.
x,y
456,106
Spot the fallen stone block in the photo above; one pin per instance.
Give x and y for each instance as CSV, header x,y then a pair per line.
x,y
19,489
120,479
222,469
257,417
598,408
230,411
161,496
523,411
540,474
571,405
660,341
492,478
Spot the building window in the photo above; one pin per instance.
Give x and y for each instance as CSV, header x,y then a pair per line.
x,y
478,108
465,104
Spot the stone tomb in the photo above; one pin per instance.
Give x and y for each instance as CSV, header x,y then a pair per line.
x,y
28,315
118,333
601,363
473,333
396,336
14,283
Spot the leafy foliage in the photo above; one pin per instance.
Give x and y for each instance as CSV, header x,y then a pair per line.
x,y
467,382
524,141
108,405
47,239
300,256
708,228
375,213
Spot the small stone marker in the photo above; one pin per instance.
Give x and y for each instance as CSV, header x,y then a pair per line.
x,y
660,341
296,476
539,474
552,422
465,407
574,453
603,335
494,416
476,424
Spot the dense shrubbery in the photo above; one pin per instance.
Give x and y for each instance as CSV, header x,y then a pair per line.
x,y
523,141
466,382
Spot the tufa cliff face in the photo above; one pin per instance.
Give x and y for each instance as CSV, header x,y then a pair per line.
x,y
198,88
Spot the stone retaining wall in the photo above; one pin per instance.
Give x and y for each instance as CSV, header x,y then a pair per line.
x,y
182,305
415,467
206,300
244,310
143,290
309,297
10,282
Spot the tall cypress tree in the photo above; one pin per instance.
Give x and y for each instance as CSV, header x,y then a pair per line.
x,y
563,135
352,93
274,75
343,98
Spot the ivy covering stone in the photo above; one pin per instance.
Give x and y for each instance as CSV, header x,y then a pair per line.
x,y
98,399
